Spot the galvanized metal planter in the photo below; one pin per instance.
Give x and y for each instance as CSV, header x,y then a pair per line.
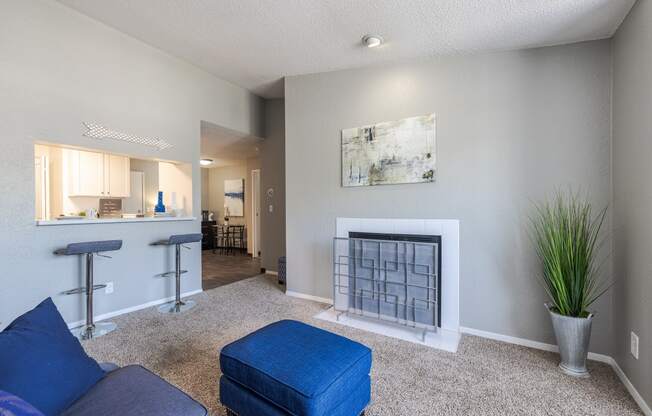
x,y
573,336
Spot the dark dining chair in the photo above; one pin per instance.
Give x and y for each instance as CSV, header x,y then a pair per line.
x,y
237,237
221,238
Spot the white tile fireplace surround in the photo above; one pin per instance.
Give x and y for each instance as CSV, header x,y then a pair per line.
x,y
447,336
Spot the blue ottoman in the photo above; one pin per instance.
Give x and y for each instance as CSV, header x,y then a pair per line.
x,y
290,368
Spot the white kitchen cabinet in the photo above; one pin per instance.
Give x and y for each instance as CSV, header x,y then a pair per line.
x,y
97,174
116,176
85,172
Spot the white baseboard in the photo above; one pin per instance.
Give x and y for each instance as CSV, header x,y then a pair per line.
x,y
309,297
272,272
528,343
549,347
132,309
645,408
511,340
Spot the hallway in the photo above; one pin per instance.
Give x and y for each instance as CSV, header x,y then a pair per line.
x,y
219,270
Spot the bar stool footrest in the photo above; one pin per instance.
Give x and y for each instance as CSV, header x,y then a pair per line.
x,y
82,289
172,273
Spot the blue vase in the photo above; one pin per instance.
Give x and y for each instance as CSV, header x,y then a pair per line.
x,y
160,207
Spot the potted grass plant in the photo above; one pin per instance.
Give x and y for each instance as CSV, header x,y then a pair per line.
x,y
566,234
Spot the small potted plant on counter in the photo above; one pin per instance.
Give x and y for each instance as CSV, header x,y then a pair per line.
x,y
566,234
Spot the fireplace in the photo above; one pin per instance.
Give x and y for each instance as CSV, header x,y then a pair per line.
x,y
390,277
374,257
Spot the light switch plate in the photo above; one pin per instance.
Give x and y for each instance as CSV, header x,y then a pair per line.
x,y
634,345
109,288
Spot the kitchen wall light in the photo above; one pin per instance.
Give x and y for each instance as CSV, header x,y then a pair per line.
x,y
97,131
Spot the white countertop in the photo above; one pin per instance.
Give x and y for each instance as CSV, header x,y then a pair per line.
x,y
111,220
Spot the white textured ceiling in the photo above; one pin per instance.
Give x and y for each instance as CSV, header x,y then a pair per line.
x,y
254,43
226,147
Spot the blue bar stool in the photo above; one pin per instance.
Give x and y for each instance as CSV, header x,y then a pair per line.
x,y
89,248
178,241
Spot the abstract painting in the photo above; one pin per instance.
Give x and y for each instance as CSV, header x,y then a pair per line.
x,y
234,198
392,152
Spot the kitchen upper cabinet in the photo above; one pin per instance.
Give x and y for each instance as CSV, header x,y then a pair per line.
x,y
116,176
85,173
97,174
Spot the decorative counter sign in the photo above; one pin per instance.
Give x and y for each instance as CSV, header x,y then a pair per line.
x,y
97,131
393,152
110,208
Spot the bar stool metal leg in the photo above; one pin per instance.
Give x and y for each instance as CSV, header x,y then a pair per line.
x,y
177,305
91,329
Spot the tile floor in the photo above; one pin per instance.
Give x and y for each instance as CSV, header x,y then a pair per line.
x,y
220,270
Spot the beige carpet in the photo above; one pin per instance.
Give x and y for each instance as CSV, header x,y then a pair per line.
x,y
483,378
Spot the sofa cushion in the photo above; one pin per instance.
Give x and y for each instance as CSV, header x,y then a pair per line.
x,y
300,368
43,363
135,391
11,405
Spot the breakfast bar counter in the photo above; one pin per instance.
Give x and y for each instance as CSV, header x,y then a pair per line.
x,y
84,221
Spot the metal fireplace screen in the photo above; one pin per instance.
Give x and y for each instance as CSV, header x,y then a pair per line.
x,y
394,277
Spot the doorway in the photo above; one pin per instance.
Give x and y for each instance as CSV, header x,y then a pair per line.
x,y
231,229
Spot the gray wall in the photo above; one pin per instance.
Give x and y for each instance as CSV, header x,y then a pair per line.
x,y
58,69
511,128
632,170
272,158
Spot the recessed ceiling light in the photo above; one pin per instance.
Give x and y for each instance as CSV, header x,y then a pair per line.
x,y
205,162
372,41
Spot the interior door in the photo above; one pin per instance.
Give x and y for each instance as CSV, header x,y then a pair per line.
x,y
255,209
135,204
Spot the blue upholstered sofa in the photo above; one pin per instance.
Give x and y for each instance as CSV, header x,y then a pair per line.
x,y
45,371
134,391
